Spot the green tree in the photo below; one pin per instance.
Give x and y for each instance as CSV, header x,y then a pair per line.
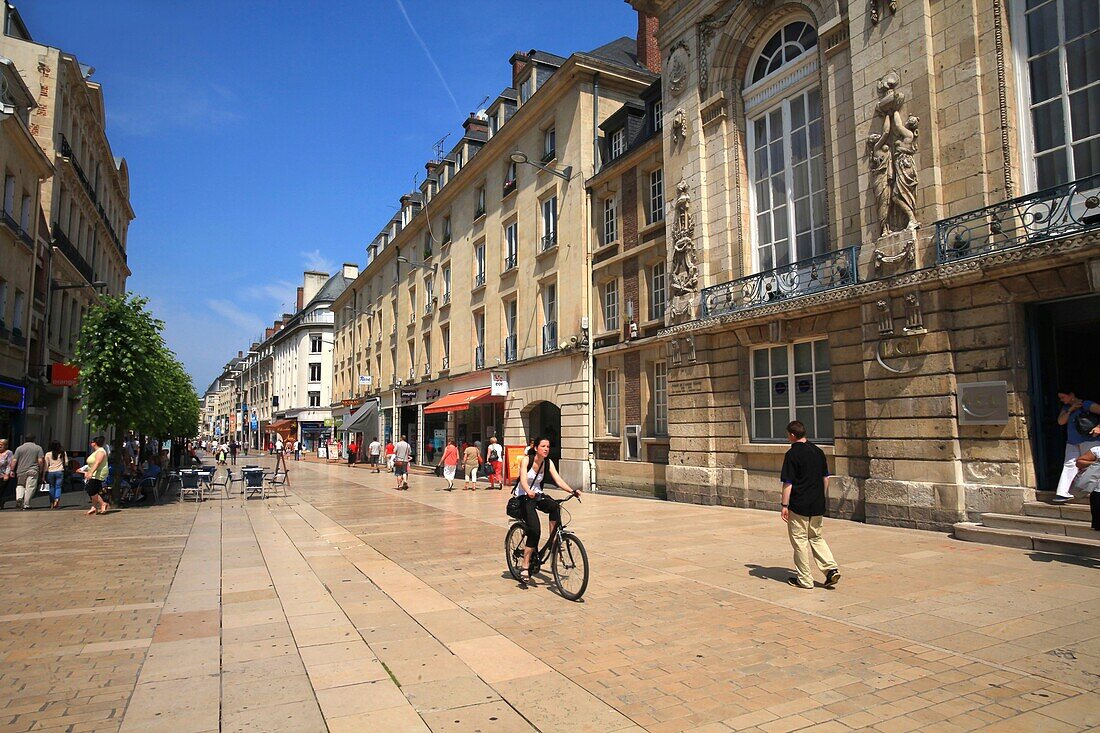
x,y
129,377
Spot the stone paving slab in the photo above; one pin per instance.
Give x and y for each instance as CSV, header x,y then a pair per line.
x,y
348,606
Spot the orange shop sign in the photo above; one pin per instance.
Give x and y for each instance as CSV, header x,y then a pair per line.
x,y
63,375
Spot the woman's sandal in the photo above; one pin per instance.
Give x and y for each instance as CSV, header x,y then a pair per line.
x,y
525,576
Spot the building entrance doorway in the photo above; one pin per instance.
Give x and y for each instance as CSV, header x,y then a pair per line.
x,y
543,419
1064,343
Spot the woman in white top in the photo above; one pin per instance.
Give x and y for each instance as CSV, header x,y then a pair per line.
x,y
495,457
532,471
55,472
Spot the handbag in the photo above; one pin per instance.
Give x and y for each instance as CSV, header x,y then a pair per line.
x,y
44,488
439,469
484,470
515,505
1086,422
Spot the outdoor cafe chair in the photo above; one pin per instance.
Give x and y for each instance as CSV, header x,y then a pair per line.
x,y
190,483
253,482
275,482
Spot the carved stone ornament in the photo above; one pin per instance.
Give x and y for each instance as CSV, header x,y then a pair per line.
x,y
876,9
679,126
885,317
685,266
689,342
891,148
677,66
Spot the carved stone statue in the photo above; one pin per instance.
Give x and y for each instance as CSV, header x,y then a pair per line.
x,y
876,13
892,147
679,126
685,267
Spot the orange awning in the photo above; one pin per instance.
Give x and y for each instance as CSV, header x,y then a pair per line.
x,y
289,425
458,401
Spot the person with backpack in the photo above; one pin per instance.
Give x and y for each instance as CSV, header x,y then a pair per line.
x,y
1080,418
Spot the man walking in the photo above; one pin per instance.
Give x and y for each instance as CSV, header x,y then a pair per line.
x,y
353,451
402,454
805,477
374,450
233,448
29,461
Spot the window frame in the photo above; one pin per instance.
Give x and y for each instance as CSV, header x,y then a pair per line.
x,y
654,302
812,432
660,398
316,339
610,220
610,296
612,424
616,145
656,199
317,379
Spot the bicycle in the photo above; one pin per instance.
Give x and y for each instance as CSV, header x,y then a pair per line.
x,y
563,549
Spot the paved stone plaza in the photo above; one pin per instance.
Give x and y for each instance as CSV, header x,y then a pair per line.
x,y
352,607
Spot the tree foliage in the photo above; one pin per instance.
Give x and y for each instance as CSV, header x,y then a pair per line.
x,y
130,379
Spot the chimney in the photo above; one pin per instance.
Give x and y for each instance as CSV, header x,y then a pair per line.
x,y
312,283
474,123
351,270
287,317
268,332
519,64
278,327
301,301
240,354
649,55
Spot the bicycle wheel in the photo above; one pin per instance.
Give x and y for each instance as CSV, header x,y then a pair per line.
x,y
514,543
570,566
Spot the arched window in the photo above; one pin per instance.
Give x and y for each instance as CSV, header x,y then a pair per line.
x,y
792,41
786,150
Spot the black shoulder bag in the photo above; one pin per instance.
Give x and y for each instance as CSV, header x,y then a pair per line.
x,y
515,504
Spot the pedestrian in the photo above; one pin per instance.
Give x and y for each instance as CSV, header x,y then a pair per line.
x,y
1080,418
297,448
7,476
471,459
805,476
1090,483
234,446
95,471
374,451
28,464
280,456
55,472
496,462
389,455
402,454
449,461
353,451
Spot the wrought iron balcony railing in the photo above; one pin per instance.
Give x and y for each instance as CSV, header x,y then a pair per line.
x,y
549,155
511,262
67,152
427,370
826,271
1020,222
18,231
479,279
480,212
509,187
510,349
447,298
550,337
479,357
72,254
549,241
446,363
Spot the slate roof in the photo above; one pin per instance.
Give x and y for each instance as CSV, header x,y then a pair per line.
x,y
622,51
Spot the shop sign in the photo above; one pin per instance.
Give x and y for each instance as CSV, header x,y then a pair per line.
x,y
255,423
354,402
431,395
498,384
328,422
337,421
407,396
63,375
365,380
12,396
313,425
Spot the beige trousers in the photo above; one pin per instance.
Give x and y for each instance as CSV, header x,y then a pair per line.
x,y
806,539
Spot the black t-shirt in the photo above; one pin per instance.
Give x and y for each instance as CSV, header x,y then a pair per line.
x,y
805,469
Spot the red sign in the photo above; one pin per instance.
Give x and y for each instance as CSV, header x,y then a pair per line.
x,y
64,375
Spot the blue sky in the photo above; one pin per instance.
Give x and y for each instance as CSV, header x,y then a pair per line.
x,y
265,138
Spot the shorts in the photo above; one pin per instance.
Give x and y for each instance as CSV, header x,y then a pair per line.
x,y
373,460
93,486
400,468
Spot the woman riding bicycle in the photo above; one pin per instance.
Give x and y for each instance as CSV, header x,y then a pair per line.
x,y
532,471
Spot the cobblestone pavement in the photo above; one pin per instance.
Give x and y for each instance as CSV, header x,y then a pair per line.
x,y
350,606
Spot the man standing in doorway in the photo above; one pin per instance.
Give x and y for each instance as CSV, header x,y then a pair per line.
x,y
29,460
402,454
1076,442
805,478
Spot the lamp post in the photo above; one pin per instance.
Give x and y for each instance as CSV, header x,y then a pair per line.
x,y
520,157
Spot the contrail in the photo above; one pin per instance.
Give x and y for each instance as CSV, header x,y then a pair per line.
x,y
401,7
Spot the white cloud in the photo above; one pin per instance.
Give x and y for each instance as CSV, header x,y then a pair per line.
x,y
234,315
314,260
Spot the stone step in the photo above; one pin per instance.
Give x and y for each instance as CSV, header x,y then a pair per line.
x,y
1042,525
1079,512
1036,541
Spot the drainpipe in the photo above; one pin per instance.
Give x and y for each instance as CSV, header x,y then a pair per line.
x,y
590,357
596,123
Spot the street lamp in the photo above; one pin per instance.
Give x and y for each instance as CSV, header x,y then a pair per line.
x,y
520,157
406,261
98,284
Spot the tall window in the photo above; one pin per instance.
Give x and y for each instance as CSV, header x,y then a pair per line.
x,y
511,246
429,292
660,398
618,143
479,335
479,259
315,372
657,120
792,382
480,202
658,294
427,353
9,195
550,318
445,339
611,305
18,305
787,165
549,222
526,88
656,195
1063,45
447,284
610,220
315,343
446,230
611,401
412,303
511,318
510,178
549,144
314,399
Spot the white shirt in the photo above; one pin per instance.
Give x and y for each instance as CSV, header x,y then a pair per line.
x,y
533,481
375,448
496,452
402,451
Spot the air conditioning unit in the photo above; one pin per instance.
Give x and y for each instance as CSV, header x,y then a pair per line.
x,y
633,442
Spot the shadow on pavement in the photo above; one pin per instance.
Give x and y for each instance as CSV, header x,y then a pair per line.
x,y
778,574
1085,562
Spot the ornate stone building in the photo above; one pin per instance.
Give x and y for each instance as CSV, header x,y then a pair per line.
x,y
884,225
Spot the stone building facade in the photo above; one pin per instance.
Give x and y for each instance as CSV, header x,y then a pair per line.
x,y
470,318
883,222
